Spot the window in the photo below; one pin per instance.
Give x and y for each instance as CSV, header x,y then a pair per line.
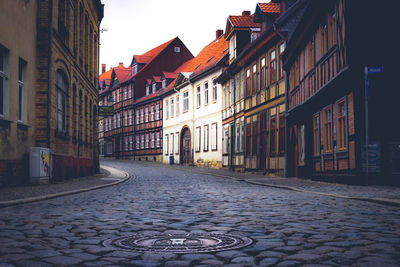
x,y
118,95
242,137
125,92
232,92
164,83
129,91
147,140
177,105
147,89
118,120
324,39
141,115
126,143
177,49
281,50
248,139
341,125
198,139
137,117
172,107
238,89
61,94
152,140
130,117
214,99
297,72
281,133
166,144
152,113
131,142
206,137
254,79
125,118
248,84
157,139
198,96
157,111
206,94
3,76
115,121
134,69
263,73
327,130
254,137
301,145
146,114
312,52
166,109
137,142
316,134
154,89
142,141
237,150
272,67
177,143
242,87
214,136
332,29
232,47
22,90
171,143
185,101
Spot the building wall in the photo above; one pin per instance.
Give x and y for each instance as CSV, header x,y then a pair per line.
x,y
70,48
17,39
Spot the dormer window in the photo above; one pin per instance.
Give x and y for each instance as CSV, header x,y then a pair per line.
x,y
134,69
154,87
147,89
164,84
177,49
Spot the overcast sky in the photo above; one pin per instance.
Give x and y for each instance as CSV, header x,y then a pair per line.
x,y
136,26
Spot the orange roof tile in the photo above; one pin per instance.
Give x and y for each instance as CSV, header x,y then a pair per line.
x,y
243,21
270,7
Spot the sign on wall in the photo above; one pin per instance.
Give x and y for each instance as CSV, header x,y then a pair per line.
x,y
106,111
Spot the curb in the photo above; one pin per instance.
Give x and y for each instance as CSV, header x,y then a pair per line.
x,y
371,200
65,193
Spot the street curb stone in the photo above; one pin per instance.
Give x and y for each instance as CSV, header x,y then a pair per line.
x,y
110,171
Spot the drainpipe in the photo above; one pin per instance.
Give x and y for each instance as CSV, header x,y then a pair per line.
x,y
234,122
285,171
49,69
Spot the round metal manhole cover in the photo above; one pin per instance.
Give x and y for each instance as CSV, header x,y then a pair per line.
x,y
179,243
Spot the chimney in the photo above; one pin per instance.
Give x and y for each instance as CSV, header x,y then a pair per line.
x,y
246,13
121,64
103,68
218,33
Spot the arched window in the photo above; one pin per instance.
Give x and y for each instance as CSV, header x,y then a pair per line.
x,y
61,96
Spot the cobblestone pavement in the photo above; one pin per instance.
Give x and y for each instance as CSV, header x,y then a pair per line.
x,y
288,228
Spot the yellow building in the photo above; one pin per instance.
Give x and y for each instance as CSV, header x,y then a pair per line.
x,y
60,40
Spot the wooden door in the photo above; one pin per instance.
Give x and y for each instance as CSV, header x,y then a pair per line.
x,y
185,147
263,140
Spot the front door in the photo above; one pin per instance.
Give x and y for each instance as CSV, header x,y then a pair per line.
x,y
185,147
263,140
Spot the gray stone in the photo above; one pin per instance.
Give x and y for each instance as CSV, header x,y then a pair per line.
x,y
63,260
268,261
194,257
307,258
244,260
177,263
84,256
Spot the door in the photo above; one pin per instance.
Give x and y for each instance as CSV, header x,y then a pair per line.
x,y
263,140
185,147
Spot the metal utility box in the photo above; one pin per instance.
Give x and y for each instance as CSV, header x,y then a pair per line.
x,y
39,165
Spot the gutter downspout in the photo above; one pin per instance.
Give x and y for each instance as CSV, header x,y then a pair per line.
x,y
285,171
49,69
234,121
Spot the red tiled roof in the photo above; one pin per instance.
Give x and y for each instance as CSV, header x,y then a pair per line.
x,y
122,73
148,81
170,75
207,58
147,97
270,7
149,56
105,75
157,79
243,21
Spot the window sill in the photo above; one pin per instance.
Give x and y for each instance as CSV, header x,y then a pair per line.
x,y
22,126
5,122
61,135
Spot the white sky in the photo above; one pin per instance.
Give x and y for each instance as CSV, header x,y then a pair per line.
x,y
136,26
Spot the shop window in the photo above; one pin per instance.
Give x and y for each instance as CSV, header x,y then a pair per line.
x,y
327,130
341,125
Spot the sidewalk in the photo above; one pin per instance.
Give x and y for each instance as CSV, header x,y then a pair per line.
x,y
22,194
388,195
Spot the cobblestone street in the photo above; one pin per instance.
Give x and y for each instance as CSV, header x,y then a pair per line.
x,y
288,228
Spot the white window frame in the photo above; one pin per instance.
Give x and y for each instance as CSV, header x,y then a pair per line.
x,y
157,111
146,114
177,105
205,93
166,109
206,137
152,113
198,96
185,101
172,107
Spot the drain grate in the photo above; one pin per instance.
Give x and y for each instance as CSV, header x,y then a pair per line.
x,y
179,243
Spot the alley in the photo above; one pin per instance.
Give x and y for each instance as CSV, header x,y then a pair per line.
x,y
286,227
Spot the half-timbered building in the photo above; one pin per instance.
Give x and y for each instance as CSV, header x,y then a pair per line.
x,y
328,61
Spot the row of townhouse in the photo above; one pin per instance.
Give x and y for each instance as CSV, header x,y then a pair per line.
x,y
281,90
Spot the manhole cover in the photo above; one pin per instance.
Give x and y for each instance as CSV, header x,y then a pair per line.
x,y
179,243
